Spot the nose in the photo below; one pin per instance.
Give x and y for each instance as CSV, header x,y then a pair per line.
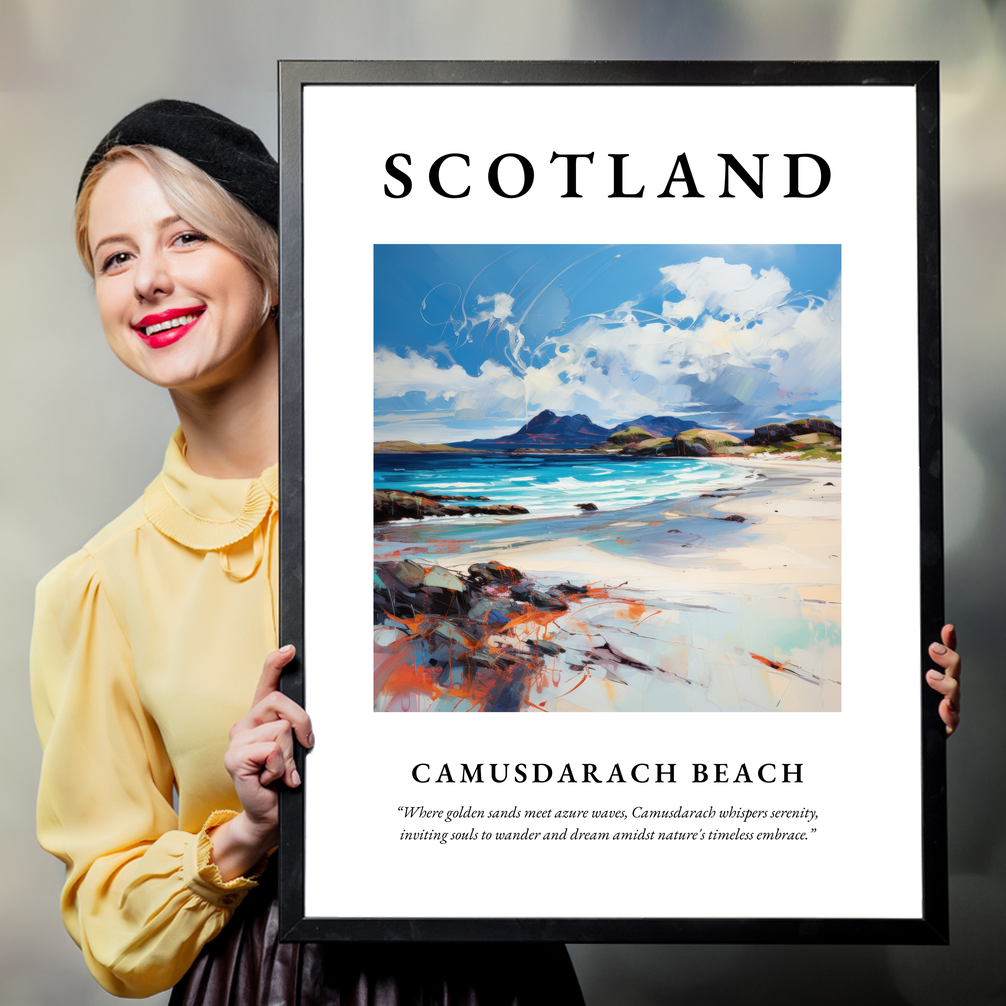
x,y
152,277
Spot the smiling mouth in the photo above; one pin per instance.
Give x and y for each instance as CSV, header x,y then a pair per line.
x,y
165,324
185,319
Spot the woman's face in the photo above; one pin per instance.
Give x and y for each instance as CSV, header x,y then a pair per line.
x,y
177,308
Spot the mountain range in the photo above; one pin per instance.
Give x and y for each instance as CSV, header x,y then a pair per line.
x,y
547,430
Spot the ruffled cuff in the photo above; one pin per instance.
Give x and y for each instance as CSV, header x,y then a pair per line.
x,y
202,877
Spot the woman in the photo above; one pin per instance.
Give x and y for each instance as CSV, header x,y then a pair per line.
x,y
149,642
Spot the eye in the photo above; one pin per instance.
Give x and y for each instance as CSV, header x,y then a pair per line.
x,y
189,239
115,261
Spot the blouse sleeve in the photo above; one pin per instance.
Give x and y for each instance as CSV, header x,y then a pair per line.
x,y
141,898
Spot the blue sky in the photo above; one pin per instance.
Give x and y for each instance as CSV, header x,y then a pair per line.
x,y
472,340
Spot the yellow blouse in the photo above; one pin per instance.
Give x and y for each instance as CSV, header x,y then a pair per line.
x,y
147,647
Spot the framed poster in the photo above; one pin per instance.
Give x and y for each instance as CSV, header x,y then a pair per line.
x,y
650,353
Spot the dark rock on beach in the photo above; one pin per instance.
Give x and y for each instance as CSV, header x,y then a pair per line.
x,y
458,630
540,599
546,646
773,433
393,504
486,572
440,499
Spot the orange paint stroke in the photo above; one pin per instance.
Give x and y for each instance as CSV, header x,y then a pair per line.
x,y
395,675
606,598
768,663
412,624
645,617
634,610
574,688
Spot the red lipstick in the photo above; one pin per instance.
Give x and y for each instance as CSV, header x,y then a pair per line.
x,y
166,327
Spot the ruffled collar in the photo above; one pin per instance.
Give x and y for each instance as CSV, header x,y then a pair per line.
x,y
203,513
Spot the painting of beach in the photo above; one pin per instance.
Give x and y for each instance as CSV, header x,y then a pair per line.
x,y
607,478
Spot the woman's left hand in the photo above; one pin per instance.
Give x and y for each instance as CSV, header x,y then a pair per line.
x,y
948,681
260,754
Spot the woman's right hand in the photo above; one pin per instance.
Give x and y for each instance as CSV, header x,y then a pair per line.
x,y
948,681
259,754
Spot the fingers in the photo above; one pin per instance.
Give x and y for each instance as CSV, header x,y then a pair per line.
x,y
271,671
265,751
279,764
261,749
270,703
949,687
262,761
948,710
944,655
277,706
947,681
949,636
950,716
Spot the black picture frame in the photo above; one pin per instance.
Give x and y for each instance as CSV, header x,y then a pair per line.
x,y
932,926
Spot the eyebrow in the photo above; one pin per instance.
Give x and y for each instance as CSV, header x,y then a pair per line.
x,y
111,238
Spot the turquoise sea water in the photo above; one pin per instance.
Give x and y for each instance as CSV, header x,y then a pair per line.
x,y
550,485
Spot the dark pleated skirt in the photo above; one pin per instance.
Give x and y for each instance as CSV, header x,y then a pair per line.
x,y
246,965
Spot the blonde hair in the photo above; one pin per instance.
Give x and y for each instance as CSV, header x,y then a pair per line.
x,y
199,200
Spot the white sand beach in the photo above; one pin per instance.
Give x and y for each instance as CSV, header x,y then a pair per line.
x,y
688,608
798,538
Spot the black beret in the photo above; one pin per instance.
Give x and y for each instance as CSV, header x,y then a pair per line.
x,y
230,154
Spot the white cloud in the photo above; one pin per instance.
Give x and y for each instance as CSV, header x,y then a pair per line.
x,y
753,351
494,390
502,306
712,285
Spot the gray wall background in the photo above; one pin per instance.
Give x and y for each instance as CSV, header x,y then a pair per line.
x,y
82,436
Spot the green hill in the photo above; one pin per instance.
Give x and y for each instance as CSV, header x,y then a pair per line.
x,y
700,442
632,435
408,447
